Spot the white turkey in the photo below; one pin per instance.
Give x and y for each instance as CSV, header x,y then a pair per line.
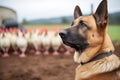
x,y
14,39
56,42
36,41
46,41
4,44
22,43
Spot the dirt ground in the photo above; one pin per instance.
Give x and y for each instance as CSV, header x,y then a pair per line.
x,y
39,67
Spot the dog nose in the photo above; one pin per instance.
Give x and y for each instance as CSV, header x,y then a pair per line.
x,y
63,33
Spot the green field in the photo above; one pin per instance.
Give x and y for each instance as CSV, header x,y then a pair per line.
x,y
49,26
113,30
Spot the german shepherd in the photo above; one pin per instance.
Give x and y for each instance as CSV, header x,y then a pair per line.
x,y
94,50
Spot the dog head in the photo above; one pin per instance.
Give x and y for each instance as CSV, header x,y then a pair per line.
x,y
87,32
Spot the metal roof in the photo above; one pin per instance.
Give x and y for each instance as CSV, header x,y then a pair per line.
x,y
8,8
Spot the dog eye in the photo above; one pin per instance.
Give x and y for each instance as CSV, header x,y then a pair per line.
x,y
82,25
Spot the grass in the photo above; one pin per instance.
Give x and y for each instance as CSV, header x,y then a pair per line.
x,y
49,26
113,30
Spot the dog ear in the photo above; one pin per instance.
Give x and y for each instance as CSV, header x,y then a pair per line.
x,y
101,14
77,12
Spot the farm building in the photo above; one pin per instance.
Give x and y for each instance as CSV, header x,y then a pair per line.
x,y
6,13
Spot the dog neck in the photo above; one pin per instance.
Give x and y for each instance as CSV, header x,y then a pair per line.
x,y
98,57
107,45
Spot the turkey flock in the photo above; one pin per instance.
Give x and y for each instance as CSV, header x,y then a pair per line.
x,y
32,41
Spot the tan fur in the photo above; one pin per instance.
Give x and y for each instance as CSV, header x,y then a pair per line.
x,y
97,44
94,49
94,68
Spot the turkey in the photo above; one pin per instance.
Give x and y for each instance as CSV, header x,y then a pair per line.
x,y
4,44
56,42
46,39
14,38
36,41
22,43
